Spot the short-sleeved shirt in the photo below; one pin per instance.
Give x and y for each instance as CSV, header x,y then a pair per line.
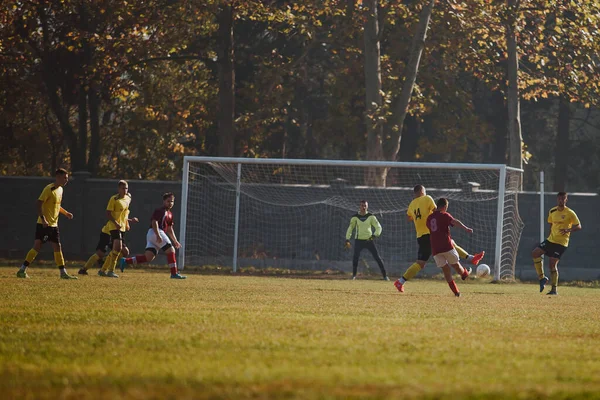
x,y
106,228
51,197
118,207
164,218
564,219
439,224
419,209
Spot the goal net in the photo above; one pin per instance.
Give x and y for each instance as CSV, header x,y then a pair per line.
x,y
293,214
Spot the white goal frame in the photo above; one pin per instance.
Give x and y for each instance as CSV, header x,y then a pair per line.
x,y
501,168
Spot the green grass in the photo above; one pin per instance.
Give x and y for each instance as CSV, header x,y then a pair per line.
x,y
145,336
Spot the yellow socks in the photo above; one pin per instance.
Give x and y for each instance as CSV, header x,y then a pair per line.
x,y
537,263
554,278
111,261
59,260
411,271
31,255
461,252
91,261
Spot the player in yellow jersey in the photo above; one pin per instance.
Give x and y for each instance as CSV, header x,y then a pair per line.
x,y
105,240
48,206
362,222
117,212
563,221
419,209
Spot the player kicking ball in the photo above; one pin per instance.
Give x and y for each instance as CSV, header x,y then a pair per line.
x,y
160,236
444,253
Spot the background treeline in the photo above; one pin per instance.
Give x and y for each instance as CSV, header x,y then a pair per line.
x,y
125,89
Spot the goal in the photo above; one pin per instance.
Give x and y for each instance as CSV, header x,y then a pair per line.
x,y
293,214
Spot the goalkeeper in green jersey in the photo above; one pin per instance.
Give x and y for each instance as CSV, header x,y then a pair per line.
x,y
363,223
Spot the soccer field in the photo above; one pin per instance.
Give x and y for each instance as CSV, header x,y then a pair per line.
x,y
145,336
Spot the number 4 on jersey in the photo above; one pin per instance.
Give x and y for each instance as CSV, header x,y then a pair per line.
x,y
417,213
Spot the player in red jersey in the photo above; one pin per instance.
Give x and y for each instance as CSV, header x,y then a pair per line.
x,y
444,253
160,236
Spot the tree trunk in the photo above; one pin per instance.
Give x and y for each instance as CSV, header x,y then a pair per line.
x,y
410,139
401,105
515,137
226,83
82,113
562,144
375,176
499,122
94,106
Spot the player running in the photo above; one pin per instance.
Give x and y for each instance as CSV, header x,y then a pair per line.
x,y
444,253
418,211
48,207
563,221
160,236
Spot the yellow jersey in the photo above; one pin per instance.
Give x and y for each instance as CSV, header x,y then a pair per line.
x,y
564,219
419,209
119,209
51,197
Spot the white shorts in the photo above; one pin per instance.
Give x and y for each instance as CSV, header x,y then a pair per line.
x,y
151,242
447,257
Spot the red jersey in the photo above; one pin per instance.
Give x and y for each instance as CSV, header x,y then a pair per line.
x,y
439,224
164,218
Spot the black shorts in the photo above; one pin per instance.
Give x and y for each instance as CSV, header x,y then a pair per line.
x,y
106,240
553,250
424,248
49,233
117,235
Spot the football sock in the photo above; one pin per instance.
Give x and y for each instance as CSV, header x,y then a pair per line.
x,y
31,255
554,278
461,252
140,258
411,272
453,286
91,261
537,263
172,263
465,274
59,260
114,256
108,261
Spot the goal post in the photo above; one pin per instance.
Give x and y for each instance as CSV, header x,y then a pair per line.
x,y
293,214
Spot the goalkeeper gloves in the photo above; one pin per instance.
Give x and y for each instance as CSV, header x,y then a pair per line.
x,y
347,245
373,237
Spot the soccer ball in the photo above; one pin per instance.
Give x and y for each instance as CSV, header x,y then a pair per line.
x,y
483,270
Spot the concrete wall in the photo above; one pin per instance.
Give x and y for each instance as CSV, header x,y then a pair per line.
x,y
87,199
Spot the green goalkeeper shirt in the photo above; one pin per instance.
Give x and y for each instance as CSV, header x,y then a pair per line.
x,y
363,225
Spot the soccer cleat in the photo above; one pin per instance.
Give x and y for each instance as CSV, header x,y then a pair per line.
x,y
543,283
122,264
111,274
177,276
466,274
101,273
83,271
385,278
552,293
353,278
22,274
67,276
477,257
457,294
399,286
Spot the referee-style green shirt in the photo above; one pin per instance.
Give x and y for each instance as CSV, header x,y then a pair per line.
x,y
363,224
